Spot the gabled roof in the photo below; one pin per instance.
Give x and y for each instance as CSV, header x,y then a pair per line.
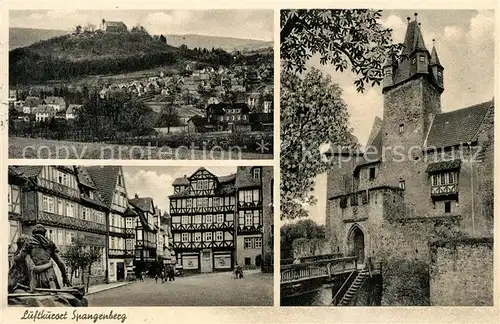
x,y
84,177
434,58
145,204
457,127
105,179
200,169
32,102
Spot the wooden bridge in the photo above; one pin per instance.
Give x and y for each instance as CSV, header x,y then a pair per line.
x,y
307,278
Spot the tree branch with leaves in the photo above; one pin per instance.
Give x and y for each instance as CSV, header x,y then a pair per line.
x,y
351,39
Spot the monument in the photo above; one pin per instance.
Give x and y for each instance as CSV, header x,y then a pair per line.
x,y
32,276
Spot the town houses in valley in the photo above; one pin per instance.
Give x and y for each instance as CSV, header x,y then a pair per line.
x,y
206,223
117,85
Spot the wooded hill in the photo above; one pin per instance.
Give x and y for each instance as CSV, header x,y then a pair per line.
x,y
72,56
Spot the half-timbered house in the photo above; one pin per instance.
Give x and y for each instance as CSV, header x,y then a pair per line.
x,y
202,215
64,199
249,223
146,230
121,235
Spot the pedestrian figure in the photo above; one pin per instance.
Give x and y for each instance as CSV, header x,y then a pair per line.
x,y
156,278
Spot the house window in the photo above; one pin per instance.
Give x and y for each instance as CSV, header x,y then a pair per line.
x,y
401,184
256,195
197,237
248,261
188,203
414,61
447,206
401,128
220,218
86,213
256,217
197,219
208,237
256,173
248,219
208,219
216,202
219,236
247,196
388,71
185,220
48,204
421,58
372,173
248,243
258,242
185,237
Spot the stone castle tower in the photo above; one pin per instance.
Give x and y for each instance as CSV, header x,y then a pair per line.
x,y
419,179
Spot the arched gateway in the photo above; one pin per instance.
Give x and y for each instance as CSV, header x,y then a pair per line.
x,y
356,243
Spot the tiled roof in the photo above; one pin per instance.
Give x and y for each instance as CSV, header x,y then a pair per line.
x,y
84,178
145,204
29,171
181,181
198,120
73,108
54,101
434,57
444,166
105,178
413,39
244,178
227,178
32,101
457,127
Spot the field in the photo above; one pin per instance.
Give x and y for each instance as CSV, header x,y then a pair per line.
x,y
32,148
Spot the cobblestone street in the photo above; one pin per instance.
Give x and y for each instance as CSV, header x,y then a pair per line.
x,y
214,289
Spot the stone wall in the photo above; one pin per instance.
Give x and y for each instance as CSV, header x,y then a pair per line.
x,y
311,247
461,273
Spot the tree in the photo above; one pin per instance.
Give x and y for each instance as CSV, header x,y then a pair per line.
x,y
304,228
312,113
80,256
78,29
169,117
163,39
345,38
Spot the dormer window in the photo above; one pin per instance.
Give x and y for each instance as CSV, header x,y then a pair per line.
x,y
401,184
414,61
401,128
422,58
388,71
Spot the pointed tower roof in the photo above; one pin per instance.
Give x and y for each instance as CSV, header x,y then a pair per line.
x,y
413,38
434,57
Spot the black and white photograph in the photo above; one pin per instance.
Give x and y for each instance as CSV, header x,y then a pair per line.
x,y
387,156
90,236
141,84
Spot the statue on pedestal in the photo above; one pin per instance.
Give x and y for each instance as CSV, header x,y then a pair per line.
x,y
32,273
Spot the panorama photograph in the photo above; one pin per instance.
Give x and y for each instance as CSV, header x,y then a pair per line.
x,y
138,84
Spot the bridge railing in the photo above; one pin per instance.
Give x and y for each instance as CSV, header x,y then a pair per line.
x,y
323,268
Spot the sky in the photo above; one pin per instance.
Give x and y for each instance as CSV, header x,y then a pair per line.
x,y
249,24
156,182
464,40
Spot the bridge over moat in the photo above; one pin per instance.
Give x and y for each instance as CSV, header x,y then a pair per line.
x,y
345,275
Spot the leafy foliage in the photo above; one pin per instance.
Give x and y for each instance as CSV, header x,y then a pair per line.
x,y
80,256
346,38
312,113
304,228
